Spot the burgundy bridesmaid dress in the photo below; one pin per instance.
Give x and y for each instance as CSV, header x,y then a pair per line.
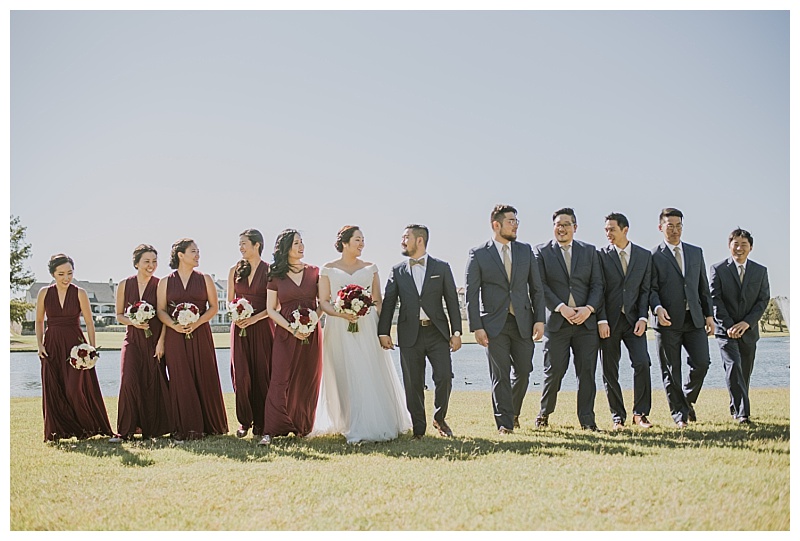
x,y
195,395
250,354
71,400
143,391
296,367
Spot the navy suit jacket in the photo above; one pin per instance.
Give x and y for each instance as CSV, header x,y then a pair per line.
x,y
670,289
489,293
438,284
631,290
585,280
736,301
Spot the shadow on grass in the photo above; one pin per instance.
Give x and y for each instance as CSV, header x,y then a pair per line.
x,y
550,442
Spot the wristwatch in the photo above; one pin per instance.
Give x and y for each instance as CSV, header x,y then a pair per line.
x,y
457,333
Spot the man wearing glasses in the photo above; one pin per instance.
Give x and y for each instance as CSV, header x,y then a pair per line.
x,y
505,308
681,303
572,280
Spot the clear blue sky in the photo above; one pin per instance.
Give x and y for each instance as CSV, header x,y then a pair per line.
x,y
130,127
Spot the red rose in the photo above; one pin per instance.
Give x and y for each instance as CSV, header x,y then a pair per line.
x,y
82,353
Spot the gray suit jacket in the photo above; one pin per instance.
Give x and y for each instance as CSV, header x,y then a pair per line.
x,y
670,289
736,301
631,290
438,285
489,293
585,280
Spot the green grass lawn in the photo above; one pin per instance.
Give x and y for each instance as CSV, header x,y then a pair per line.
x,y
713,476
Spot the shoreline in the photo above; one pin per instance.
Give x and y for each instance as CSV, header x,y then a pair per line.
x,y
112,341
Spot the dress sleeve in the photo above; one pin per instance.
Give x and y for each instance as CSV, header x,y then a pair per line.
x,y
324,271
272,284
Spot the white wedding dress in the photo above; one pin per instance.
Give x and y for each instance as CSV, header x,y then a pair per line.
x,y
360,395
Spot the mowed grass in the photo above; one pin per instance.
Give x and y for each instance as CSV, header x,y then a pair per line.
x,y
715,475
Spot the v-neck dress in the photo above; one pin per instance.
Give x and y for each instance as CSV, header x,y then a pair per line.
x,y
143,392
296,367
72,403
196,405
251,354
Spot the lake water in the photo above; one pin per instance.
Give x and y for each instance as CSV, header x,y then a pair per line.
x,y
470,369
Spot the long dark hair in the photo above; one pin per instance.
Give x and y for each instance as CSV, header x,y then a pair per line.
x,y
243,269
280,257
179,246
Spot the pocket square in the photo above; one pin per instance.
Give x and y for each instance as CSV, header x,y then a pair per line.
x,y
436,276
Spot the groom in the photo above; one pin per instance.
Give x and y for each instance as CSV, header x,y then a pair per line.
x,y
423,329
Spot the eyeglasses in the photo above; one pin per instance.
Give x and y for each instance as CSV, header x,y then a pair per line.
x,y
674,227
563,226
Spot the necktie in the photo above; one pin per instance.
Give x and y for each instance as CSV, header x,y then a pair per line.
x,y
623,259
420,262
568,261
741,273
507,265
678,257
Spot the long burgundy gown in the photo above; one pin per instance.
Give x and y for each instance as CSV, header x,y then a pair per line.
x,y
250,354
143,392
196,405
296,367
72,404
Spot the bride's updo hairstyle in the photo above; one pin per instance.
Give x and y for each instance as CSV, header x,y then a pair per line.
x,y
243,269
280,256
343,237
58,260
179,247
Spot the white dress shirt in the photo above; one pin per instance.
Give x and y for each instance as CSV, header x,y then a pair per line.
x,y
418,273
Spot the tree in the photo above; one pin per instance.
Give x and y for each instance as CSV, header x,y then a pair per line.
x,y
773,316
21,277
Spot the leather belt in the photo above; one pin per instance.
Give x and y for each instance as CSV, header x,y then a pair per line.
x,y
425,323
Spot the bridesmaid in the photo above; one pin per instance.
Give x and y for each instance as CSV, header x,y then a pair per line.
x,y
143,392
71,400
195,395
250,354
296,367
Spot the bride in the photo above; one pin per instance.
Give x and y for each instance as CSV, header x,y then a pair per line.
x,y
360,395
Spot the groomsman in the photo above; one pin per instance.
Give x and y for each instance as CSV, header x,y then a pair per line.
x,y
681,302
422,283
505,308
740,294
623,318
573,290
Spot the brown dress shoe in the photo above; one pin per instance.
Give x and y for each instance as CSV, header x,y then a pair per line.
x,y
516,421
641,420
443,429
504,430
416,437
682,424
619,425
541,421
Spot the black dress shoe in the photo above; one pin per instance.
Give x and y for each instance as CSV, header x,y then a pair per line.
x,y
516,421
692,414
541,421
443,429
241,432
593,428
417,436
504,430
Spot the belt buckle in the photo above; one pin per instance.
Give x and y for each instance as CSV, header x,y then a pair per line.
x,y
425,322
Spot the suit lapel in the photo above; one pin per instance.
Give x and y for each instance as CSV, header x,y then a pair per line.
x,y
559,255
405,274
496,257
614,255
426,279
667,251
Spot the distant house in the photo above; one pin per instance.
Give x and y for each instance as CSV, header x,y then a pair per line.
x,y
102,298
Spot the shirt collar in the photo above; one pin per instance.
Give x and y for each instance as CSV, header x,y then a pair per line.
x,y
499,246
627,249
673,246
